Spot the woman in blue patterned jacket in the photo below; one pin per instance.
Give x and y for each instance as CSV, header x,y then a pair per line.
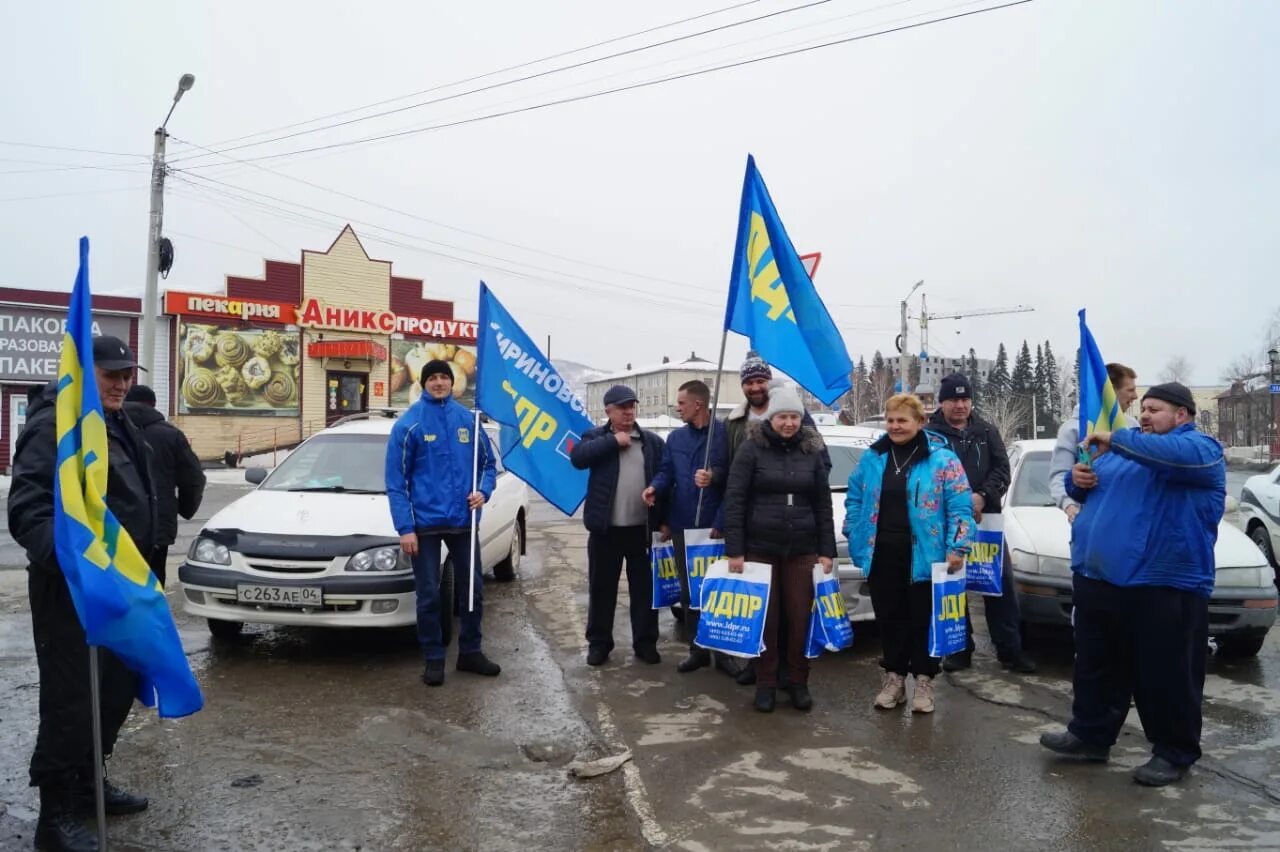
x,y
907,508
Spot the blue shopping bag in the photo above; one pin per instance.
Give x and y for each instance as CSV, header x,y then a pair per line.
x,y
829,627
666,582
947,626
734,608
985,564
700,551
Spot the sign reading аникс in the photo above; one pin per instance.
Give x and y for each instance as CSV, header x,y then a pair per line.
x,y
314,313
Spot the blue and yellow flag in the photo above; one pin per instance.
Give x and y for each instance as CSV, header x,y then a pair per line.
x,y
1099,405
119,601
773,303
542,419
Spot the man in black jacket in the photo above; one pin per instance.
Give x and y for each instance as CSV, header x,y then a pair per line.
x,y
62,764
623,460
986,465
179,479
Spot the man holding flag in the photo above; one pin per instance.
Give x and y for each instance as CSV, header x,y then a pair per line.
x,y
62,765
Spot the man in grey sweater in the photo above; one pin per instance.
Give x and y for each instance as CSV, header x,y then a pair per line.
x,y
1125,381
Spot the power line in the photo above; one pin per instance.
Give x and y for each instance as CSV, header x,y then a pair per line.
x,y
674,40
487,74
74,194
630,87
76,150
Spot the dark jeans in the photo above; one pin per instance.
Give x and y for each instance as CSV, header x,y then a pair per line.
x,y
1004,619
159,557
903,610
606,553
426,581
791,594
64,742
1144,642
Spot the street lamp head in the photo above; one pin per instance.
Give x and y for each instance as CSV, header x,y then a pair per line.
x,y
1273,355
185,82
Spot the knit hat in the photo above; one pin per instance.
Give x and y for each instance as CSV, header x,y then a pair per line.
x,y
783,401
435,365
141,393
954,386
1173,393
754,368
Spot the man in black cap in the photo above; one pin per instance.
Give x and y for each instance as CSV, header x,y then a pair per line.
x,y
623,460
1143,570
62,764
986,464
179,479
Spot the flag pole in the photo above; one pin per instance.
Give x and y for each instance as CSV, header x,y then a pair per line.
x,y
99,781
475,513
711,425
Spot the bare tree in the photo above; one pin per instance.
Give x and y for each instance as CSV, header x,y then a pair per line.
x,y
1010,415
1245,366
1177,369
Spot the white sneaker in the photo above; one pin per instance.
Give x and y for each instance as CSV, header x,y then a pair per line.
x,y
922,702
893,693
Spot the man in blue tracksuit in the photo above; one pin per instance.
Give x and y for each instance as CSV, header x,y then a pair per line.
x,y
429,477
693,489
1143,565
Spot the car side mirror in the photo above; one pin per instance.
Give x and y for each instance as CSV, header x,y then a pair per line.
x,y
255,474
1233,505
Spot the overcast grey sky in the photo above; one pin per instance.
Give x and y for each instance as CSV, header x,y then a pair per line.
x,y
1118,155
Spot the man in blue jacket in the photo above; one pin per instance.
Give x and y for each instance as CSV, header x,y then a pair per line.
x,y
1143,565
622,459
692,490
429,477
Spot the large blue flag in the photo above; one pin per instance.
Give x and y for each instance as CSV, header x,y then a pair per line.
x,y
118,599
773,303
541,417
1099,405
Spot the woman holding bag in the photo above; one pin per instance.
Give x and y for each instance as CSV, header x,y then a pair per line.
x,y
777,510
907,507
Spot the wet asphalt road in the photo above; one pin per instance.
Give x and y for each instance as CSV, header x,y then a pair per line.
x,y
327,740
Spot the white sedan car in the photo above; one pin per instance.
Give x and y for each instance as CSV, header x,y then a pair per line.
x,y
1038,539
313,544
1260,506
845,444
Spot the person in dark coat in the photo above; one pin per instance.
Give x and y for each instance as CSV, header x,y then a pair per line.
x,y
986,465
777,510
62,763
623,460
179,479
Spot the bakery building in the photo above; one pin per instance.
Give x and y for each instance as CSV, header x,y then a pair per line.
x,y
273,359
32,325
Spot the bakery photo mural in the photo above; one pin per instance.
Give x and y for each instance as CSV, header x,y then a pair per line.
x,y
225,369
408,357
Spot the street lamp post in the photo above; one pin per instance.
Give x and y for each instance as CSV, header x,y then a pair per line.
x,y
1273,355
903,356
150,298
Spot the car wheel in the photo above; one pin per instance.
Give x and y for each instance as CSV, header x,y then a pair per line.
x,y
505,571
1262,538
447,603
225,629
1241,646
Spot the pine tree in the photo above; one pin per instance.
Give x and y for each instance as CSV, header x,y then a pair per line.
x,y
997,385
913,375
975,377
861,390
1041,391
1021,387
1053,378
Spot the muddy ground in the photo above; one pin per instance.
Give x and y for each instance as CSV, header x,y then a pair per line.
x,y
328,740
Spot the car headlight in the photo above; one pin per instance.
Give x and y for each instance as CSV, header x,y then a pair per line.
x,y
388,558
1028,563
1055,566
207,550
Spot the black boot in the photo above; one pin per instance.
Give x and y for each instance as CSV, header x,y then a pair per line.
x,y
1021,663
59,829
800,697
957,662
728,665
766,698
433,675
478,663
1069,745
699,658
118,802
747,677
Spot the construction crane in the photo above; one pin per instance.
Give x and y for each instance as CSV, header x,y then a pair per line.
x,y
926,318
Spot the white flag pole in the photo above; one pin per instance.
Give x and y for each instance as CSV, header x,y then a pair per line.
x,y
475,513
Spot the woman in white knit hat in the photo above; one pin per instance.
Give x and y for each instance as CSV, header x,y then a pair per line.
x,y
777,510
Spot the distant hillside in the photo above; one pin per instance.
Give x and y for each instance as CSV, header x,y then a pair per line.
x,y
577,375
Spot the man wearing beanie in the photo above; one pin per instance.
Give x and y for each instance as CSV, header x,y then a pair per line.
x,y
986,464
429,477
1143,570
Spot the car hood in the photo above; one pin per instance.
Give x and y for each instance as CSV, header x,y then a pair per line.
x,y
1045,531
307,513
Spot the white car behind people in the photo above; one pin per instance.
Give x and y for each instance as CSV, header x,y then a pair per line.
x,y
314,545
1260,509
1038,540
845,445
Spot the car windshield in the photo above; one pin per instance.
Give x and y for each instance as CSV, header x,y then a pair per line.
x,y
843,461
1032,485
351,463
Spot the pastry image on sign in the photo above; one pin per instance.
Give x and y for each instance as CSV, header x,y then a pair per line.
x,y
408,357
237,370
